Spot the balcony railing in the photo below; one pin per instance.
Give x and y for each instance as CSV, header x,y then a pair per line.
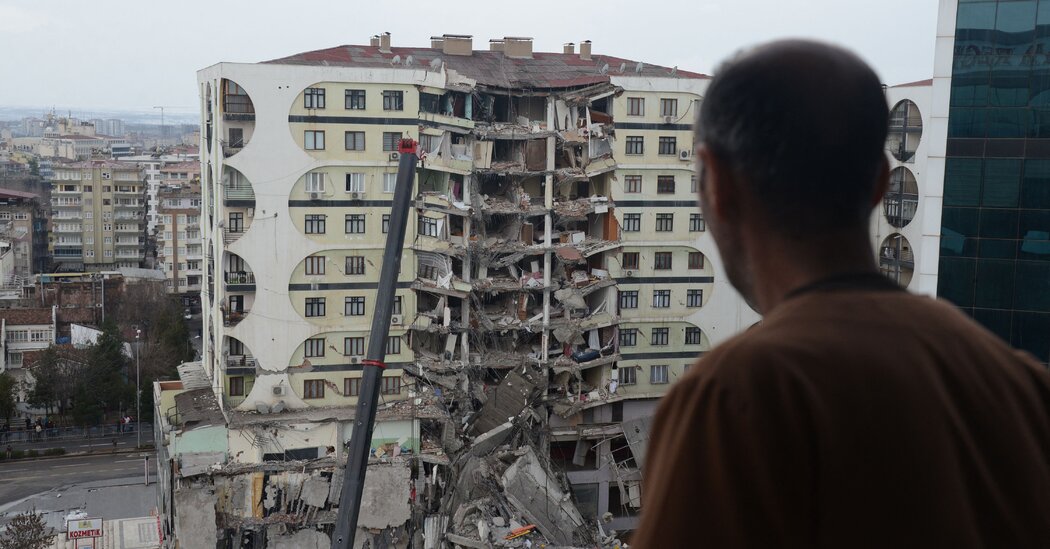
x,y
239,277
238,193
240,361
233,318
229,236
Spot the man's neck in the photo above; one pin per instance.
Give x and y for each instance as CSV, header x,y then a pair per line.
x,y
781,265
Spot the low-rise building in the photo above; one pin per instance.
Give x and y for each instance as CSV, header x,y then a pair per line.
x,y
23,226
24,332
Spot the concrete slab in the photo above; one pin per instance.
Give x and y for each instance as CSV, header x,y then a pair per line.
x,y
385,497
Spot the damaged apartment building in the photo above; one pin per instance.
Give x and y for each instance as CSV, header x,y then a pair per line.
x,y
556,279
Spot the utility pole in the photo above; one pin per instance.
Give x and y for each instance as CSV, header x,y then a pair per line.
x,y
138,392
364,418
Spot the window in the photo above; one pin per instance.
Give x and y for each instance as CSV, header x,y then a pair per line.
x,y
628,337
696,260
389,182
635,144
692,335
664,222
354,306
658,374
353,346
662,261
314,347
629,260
315,224
315,265
665,184
386,223
355,223
694,185
313,388
390,141
355,265
627,375
355,182
313,98
428,226
661,299
668,107
236,224
694,298
397,305
315,306
632,184
628,299
391,386
237,386
313,140
660,336
393,100
351,386
632,223
315,182
355,141
635,106
668,145
696,223
393,345
355,100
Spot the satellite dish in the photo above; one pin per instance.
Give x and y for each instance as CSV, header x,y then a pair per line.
x,y
604,69
395,60
623,67
408,60
638,68
435,64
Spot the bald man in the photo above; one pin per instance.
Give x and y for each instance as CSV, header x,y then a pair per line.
x,y
856,414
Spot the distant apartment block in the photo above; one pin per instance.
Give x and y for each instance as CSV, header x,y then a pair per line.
x,y
180,252
23,233
98,215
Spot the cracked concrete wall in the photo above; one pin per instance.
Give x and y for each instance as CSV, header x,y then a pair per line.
x,y
384,501
303,539
195,524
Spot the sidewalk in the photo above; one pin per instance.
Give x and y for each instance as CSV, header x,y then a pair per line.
x,y
75,443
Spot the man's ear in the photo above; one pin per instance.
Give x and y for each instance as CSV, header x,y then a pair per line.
x,y
882,182
719,196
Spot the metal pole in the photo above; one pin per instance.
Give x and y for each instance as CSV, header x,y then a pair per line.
x,y
364,418
138,392
145,467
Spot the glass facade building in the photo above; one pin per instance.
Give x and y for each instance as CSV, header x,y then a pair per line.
x,y
995,223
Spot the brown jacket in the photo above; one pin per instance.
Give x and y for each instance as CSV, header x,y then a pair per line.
x,y
853,418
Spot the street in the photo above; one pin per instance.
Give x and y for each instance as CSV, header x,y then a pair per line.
x,y
78,444
20,479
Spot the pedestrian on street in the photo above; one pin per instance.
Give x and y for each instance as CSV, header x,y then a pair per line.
x,y
855,414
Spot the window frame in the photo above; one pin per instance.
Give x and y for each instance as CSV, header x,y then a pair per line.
x,y
314,307
390,385
351,97
351,343
391,140
314,265
355,223
630,260
393,100
665,184
634,145
236,386
354,182
693,335
632,184
354,305
660,336
664,222
667,145
632,223
313,389
627,375
314,223
354,140
627,299
314,347
635,106
354,265
313,98
694,298
696,260
310,136
351,386
668,106
663,261
659,374
661,299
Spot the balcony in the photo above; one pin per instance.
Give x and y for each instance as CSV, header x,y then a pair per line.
x,y
232,318
239,192
239,277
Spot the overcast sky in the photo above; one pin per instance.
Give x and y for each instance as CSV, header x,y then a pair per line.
x,y
134,54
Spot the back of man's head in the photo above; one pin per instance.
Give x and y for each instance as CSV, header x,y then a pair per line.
x,y
803,124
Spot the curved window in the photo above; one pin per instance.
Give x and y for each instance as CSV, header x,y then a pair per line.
x,y
238,114
902,200
905,130
896,259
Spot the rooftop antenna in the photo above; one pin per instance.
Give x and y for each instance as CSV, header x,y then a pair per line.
x,y
674,70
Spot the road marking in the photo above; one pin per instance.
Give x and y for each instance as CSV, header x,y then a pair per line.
x,y
12,470
70,465
128,461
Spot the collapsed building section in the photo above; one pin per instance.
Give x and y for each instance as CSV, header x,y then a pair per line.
x,y
510,412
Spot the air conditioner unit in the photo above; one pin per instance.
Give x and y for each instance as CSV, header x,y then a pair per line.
x,y
395,156
315,196
669,119
355,359
628,273
357,196
397,320
684,154
107,175
278,390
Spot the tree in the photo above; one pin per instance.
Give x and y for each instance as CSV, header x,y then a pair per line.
x,y
57,373
34,167
27,531
7,396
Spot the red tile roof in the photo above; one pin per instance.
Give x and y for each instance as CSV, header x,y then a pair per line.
x,y
491,68
11,193
917,83
25,317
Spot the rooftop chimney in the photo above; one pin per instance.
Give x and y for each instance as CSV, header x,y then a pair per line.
x,y
374,41
517,47
457,44
569,48
436,42
384,42
585,50
496,44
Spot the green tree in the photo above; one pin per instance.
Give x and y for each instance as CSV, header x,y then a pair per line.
x,y
7,396
27,531
34,167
